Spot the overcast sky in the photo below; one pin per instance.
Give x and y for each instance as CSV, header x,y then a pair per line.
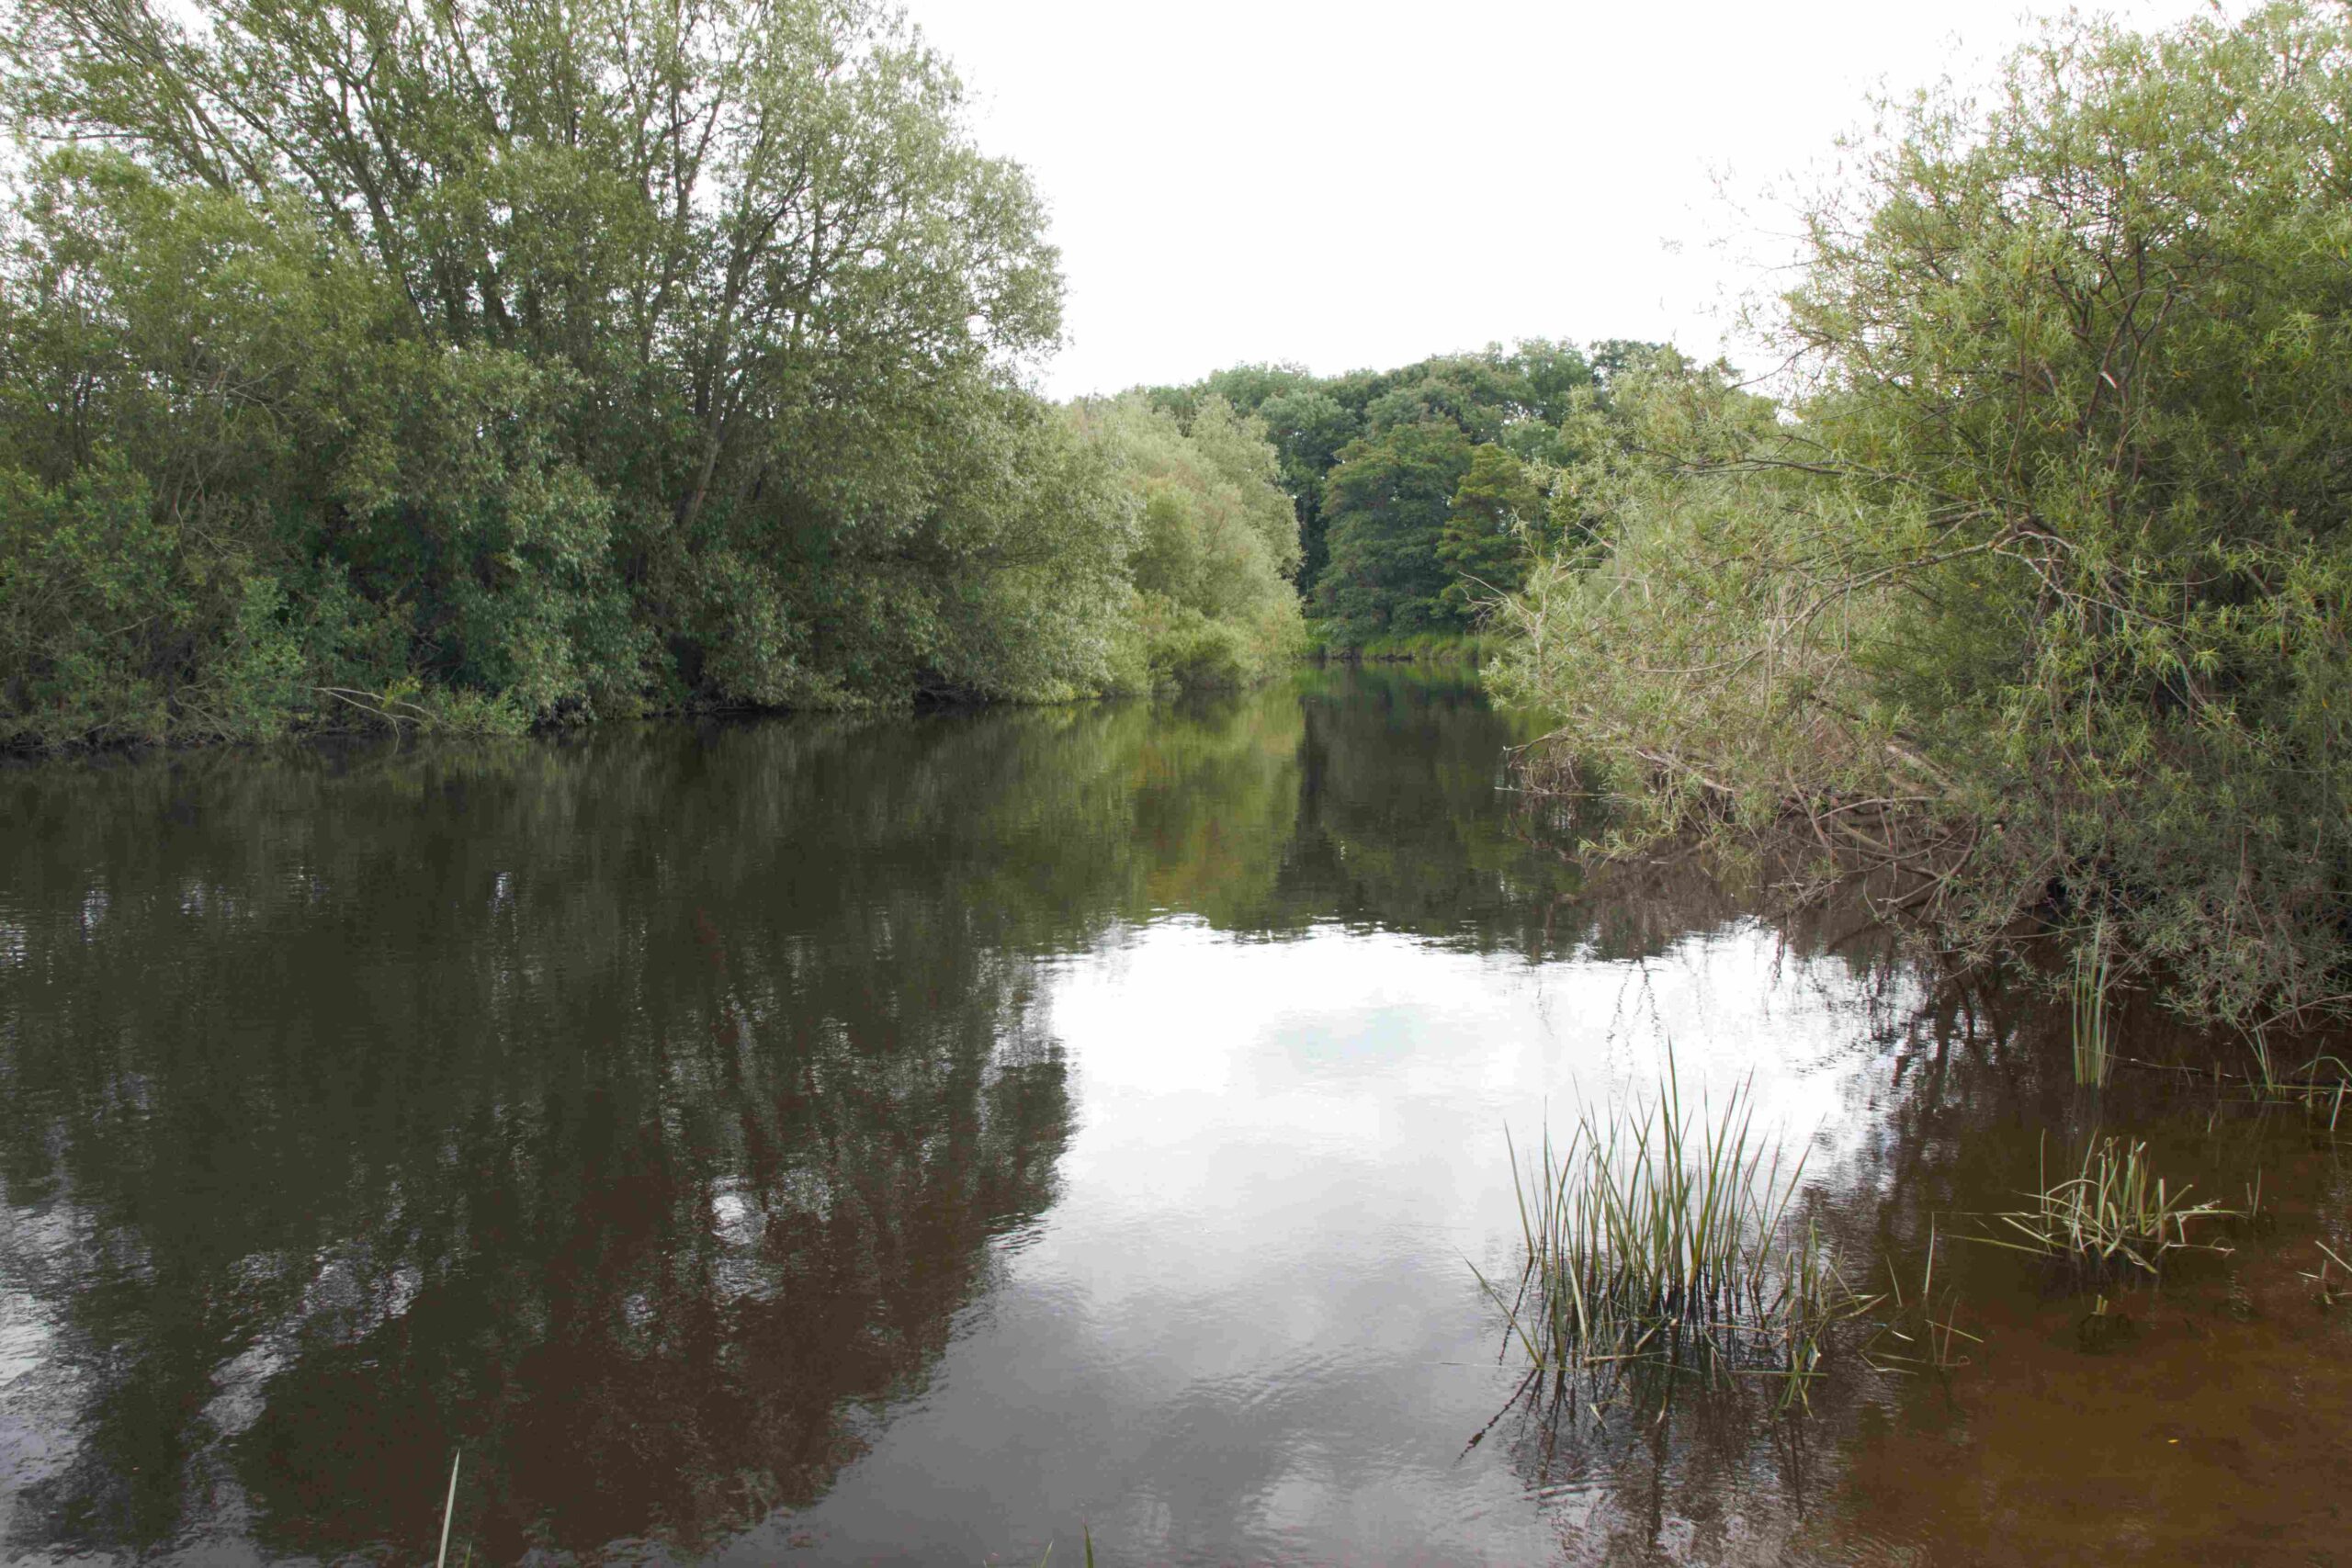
x,y
1365,182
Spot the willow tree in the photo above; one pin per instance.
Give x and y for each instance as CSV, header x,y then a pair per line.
x,y
611,349
1217,540
2039,606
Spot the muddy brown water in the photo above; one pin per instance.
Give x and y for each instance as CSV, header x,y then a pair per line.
x,y
924,1140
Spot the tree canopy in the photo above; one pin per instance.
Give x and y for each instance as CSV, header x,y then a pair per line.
x,y
1384,506
1217,540
1533,402
507,363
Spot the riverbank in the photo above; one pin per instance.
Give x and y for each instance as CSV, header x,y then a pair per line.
x,y
1420,647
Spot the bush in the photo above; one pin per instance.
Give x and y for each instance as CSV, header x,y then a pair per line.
x,y
2037,603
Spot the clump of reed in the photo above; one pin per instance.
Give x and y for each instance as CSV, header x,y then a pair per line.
x,y
2114,1211
1927,1343
2094,1029
1652,1237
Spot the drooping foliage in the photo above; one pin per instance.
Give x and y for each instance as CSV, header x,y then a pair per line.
x,y
2041,606
510,363
1215,539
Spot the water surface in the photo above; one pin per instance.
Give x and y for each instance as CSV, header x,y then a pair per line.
x,y
914,1139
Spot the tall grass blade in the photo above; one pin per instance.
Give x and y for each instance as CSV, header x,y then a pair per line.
x,y
449,1510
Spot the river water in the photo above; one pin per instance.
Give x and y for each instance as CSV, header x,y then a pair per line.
x,y
934,1139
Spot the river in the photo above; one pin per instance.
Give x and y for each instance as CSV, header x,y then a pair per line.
x,y
935,1138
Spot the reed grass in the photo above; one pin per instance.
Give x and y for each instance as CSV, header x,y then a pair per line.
x,y
449,1512
2331,1294
1929,1344
1652,1236
2114,1211
2094,1029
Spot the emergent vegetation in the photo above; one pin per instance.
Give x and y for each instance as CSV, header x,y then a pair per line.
x,y
1654,1240
2112,1213
2035,599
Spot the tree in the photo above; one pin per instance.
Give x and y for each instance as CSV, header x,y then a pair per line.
x,y
564,357
1491,527
1384,507
1518,398
1217,539
1308,429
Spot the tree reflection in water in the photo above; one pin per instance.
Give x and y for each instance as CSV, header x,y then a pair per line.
x,y
636,1113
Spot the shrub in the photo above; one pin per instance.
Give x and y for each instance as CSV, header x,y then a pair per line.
x,y
2036,602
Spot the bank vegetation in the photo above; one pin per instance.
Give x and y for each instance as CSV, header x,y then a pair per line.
x,y
493,366
2031,598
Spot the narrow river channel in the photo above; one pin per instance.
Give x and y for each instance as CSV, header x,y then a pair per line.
x,y
927,1139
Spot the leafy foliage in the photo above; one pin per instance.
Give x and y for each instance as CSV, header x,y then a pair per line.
x,y
1484,542
510,364
1531,401
1385,507
1217,540
2039,605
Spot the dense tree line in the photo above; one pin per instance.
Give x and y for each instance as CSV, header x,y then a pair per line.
x,y
500,364
2036,600
1423,493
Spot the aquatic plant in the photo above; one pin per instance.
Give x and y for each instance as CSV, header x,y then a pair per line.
x,y
1929,1343
1089,1532
2330,1293
2093,1030
1652,1237
2114,1210
449,1512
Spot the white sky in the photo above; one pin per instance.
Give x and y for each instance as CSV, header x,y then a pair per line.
x,y
1346,182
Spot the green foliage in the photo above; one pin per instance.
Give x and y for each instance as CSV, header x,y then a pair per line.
x,y
1308,428
1419,648
1485,541
1656,1238
506,364
1215,539
1532,401
1385,507
2041,603
2114,1212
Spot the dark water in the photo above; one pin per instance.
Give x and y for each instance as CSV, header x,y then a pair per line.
x,y
913,1141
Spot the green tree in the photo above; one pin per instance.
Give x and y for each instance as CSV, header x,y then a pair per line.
x,y
1308,429
536,360
1385,507
1217,539
1520,398
1492,525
